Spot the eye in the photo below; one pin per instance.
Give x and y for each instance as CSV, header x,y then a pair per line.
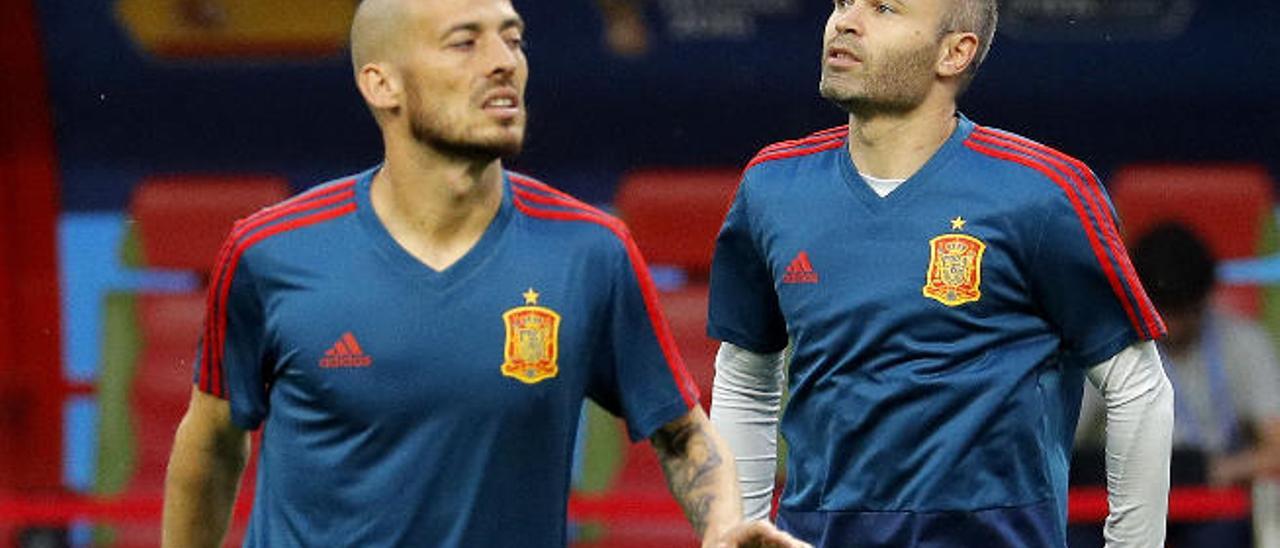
x,y
516,42
463,45
885,8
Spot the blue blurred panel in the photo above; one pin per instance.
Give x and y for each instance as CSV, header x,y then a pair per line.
x,y
89,248
80,443
88,253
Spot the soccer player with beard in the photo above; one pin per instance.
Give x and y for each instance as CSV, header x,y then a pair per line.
x,y
944,289
416,340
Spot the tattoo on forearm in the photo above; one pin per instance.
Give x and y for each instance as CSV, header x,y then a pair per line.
x,y
690,459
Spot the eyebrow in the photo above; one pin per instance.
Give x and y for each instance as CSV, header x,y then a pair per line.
x,y
473,26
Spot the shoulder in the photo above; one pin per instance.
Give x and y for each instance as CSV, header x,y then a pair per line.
x,y
315,207
1021,165
795,151
1052,188
774,170
572,221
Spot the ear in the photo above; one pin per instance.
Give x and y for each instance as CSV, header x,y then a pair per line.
x,y
958,52
380,85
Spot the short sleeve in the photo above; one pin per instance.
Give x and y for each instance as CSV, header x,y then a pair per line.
x,y
743,307
1082,280
646,382
229,361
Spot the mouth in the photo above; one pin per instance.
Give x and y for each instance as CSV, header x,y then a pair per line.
x,y
841,57
503,102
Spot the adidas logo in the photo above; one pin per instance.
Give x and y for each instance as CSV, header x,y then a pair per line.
x,y
346,353
800,271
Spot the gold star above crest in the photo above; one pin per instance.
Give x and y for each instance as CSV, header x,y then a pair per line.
x,y
958,223
530,296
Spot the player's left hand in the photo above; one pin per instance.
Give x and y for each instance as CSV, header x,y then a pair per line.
x,y
758,534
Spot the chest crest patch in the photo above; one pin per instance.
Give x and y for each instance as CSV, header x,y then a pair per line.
x,y
533,342
955,269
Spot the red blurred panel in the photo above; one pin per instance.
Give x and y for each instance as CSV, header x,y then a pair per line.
x,y
686,311
1086,505
183,219
162,381
1186,504
31,384
1229,205
675,214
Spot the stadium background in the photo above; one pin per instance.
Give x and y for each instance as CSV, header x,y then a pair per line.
x,y
108,98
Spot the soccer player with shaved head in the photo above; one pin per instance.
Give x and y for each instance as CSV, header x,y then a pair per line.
x,y
934,293
415,342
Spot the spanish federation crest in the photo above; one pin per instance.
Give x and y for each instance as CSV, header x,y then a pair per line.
x,y
955,268
532,341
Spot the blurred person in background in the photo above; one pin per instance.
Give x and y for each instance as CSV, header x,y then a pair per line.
x,y
945,289
416,341
1225,375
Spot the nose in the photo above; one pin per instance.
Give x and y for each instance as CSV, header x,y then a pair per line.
x,y
501,57
848,19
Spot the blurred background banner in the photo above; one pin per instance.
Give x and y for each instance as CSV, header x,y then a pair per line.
x,y
124,119
1204,92
1096,20
186,29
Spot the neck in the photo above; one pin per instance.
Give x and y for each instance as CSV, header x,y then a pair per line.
x,y
894,145
435,205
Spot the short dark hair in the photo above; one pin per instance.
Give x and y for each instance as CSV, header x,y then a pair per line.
x,y
1175,265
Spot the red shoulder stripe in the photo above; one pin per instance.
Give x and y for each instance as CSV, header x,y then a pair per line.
x,y
304,201
840,129
1092,236
1092,189
798,143
808,139
1096,202
818,146
208,338
520,193
534,184
233,260
649,291
316,197
309,196
262,228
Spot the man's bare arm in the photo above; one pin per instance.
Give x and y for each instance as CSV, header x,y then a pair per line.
x,y
700,473
209,453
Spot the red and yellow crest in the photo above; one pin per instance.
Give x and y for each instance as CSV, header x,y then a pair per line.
x,y
955,269
533,342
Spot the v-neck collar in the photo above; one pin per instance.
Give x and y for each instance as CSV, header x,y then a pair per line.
x,y
936,163
404,262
